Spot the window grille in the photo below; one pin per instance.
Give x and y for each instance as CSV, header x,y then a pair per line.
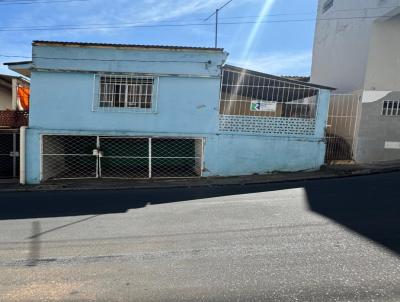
x,y
391,108
125,93
327,5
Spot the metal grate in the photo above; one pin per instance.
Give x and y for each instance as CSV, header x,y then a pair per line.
x,y
342,127
176,157
265,102
124,157
68,156
121,92
391,108
9,155
120,157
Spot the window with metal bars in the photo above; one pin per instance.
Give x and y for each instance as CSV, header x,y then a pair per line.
x,y
125,92
391,108
327,5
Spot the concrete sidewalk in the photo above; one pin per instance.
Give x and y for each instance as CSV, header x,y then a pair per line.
x,y
326,172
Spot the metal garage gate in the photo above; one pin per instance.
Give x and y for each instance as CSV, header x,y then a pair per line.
x,y
69,157
9,154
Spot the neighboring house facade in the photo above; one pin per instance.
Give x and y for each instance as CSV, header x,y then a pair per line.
x,y
14,94
357,51
134,111
14,107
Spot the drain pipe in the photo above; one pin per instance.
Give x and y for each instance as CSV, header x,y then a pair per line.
x,y
22,155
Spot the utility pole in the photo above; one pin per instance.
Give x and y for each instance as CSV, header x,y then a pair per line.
x,y
216,27
216,21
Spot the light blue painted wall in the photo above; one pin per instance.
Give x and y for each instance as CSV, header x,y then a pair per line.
x,y
65,99
230,155
188,97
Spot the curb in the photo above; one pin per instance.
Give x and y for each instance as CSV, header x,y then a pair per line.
x,y
211,182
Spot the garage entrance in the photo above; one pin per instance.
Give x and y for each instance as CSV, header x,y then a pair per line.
x,y
73,157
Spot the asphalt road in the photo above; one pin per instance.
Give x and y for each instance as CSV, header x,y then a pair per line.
x,y
326,240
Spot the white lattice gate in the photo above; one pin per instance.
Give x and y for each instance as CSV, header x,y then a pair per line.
x,y
342,127
69,157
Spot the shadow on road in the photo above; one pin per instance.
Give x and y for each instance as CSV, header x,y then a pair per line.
x,y
368,205
34,247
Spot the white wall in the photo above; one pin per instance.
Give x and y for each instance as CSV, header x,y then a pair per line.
x,y
383,68
342,39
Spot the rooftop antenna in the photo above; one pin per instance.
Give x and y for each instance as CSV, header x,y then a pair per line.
x,y
216,20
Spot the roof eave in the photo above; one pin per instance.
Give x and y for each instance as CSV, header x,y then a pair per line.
x,y
24,67
262,74
125,46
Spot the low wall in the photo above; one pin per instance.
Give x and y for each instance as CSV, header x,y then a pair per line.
x,y
230,155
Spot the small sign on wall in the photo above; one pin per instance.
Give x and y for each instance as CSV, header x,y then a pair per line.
x,y
263,106
392,145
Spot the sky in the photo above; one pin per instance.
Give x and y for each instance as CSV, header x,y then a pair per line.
x,y
257,34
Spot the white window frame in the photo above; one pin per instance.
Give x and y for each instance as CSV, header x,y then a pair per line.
x,y
127,104
394,109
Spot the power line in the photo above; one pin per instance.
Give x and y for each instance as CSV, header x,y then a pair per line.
x,y
313,13
38,2
14,56
11,56
143,22
43,27
218,9
216,20
136,25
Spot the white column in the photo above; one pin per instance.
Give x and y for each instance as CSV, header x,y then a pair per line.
x,y
14,96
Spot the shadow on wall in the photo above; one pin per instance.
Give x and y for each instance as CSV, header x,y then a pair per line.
x,y
368,205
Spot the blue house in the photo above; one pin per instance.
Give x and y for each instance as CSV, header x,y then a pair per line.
x,y
134,111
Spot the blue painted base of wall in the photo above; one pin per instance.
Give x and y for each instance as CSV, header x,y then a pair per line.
x,y
224,155
230,155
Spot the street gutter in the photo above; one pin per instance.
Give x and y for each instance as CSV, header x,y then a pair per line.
x,y
326,172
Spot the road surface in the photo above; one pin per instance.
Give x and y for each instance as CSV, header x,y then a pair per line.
x,y
324,240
